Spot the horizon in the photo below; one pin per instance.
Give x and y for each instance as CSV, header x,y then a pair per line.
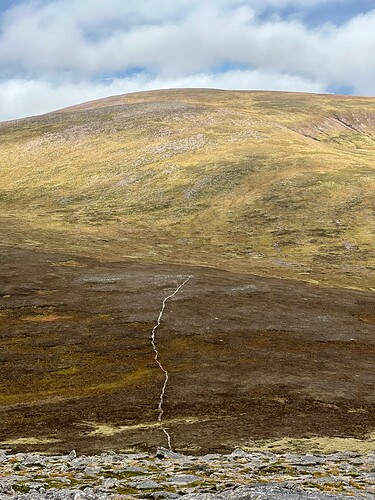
x,y
151,91
57,53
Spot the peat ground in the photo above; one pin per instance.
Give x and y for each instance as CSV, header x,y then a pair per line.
x,y
251,359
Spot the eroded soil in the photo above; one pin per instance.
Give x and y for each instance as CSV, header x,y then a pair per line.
x,y
250,358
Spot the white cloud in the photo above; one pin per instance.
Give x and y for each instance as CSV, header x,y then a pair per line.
x,y
72,43
20,98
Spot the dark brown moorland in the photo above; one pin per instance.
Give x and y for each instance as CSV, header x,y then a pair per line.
x,y
250,358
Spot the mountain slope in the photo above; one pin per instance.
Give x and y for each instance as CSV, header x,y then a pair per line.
x,y
274,184
271,183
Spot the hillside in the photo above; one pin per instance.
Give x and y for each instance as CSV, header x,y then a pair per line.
x,y
277,184
250,212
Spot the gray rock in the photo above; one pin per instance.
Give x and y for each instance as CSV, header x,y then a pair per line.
x,y
211,456
369,476
238,453
91,493
130,468
72,455
34,485
32,460
92,471
80,496
6,488
137,456
267,492
183,479
227,475
108,452
164,494
369,459
147,484
110,483
306,460
81,463
164,453
343,455
63,479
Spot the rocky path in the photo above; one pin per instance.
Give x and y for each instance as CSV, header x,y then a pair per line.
x,y
237,476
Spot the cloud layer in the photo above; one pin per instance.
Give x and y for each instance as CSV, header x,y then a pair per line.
x,y
61,52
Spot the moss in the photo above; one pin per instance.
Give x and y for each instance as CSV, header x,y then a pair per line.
x,y
123,490
21,488
121,474
278,469
328,486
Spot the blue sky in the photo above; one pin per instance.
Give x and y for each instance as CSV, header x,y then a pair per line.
x,y
54,53
336,12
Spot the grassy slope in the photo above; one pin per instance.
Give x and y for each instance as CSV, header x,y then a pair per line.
x,y
278,184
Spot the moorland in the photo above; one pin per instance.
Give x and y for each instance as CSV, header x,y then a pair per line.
x,y
265,198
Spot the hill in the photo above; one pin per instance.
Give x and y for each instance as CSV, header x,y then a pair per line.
x,y
277,184
264,199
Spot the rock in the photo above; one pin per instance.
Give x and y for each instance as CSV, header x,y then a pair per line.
x,y
92,494
92,471
137,470
110,483
183,479
72,455
32,460
218,477
343,455
147,484
6,489
238,453
306,460
369,476
265,492
137,456
79,496
62,479
211,456
33,485
201,496
165,494
164,453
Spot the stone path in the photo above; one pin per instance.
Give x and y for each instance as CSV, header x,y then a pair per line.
x,y
238,476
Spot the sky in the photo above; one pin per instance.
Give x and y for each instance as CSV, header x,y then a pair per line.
x,y
55,53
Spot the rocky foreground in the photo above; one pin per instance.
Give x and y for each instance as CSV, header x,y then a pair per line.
x,y
237,476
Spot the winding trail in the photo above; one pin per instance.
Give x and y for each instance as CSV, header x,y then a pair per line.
x,y
166,374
